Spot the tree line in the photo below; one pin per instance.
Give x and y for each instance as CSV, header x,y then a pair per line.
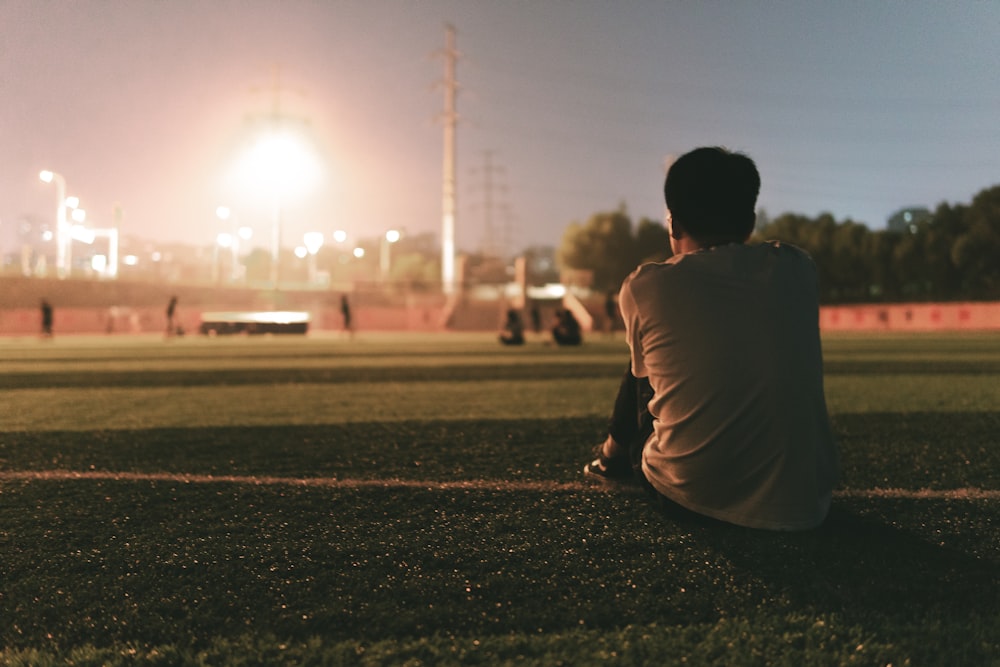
x,y
952,254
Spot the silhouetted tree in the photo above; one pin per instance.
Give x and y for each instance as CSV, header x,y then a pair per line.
x,y
609,247
976,251
603,245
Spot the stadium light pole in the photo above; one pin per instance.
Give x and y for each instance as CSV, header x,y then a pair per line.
x,y
62,228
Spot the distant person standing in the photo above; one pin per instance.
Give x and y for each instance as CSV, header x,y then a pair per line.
x,y
171,314
47,318
345,314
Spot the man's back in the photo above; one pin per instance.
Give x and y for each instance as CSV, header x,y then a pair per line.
x,y
729,340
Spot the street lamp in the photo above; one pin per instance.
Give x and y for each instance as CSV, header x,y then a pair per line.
x,y
222,241
62,235
390,237
313,242
224,214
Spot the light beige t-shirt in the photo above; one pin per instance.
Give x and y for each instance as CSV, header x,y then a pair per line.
x,y
729,339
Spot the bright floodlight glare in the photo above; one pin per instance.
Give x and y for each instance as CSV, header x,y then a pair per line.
x,y
79,215
224,239
359,252
46,176
82,234
99,263
301,252
313,241
130,260
340,236
245,233
73,202
392,235
222,213
280,163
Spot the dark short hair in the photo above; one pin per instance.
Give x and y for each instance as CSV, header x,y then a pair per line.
x,y
712,193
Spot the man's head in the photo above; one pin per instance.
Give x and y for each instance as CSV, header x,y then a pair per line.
x,y
711,196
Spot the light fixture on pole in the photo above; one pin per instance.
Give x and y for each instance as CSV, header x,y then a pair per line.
x,y
313,242
280,165
62,230
390,237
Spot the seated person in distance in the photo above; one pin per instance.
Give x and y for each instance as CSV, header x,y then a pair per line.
x,y
513,329
567,329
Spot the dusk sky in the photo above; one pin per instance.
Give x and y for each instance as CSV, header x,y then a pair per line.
x,y
853,108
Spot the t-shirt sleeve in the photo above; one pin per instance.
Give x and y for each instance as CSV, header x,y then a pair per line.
x,y
633,333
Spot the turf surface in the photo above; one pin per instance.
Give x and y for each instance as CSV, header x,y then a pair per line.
x,y
418,500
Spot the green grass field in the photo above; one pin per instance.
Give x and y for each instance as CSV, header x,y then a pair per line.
x,y
418,500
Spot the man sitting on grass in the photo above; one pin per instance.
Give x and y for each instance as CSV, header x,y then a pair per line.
x,y
722,413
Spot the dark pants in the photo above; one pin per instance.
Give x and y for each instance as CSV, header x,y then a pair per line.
x,y
630,426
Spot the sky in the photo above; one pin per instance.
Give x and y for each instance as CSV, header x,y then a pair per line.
x,y
567,109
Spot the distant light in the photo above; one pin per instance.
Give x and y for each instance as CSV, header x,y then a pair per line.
x,y
222,213
301,252
265,317
359,252
79,215
156,256
245,233
99,263
313,241
549,291
72,202
130,260
392,235
46,176
281,163
340,236
224,240
47,235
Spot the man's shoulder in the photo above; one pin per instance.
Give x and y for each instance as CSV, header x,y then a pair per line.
x,y
784,248
681,270
651,271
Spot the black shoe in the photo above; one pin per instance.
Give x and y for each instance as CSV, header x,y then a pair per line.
x,y
617,468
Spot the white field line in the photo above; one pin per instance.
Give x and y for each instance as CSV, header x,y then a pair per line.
x,y
473,485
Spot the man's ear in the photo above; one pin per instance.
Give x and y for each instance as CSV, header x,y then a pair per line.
x,y
676,230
